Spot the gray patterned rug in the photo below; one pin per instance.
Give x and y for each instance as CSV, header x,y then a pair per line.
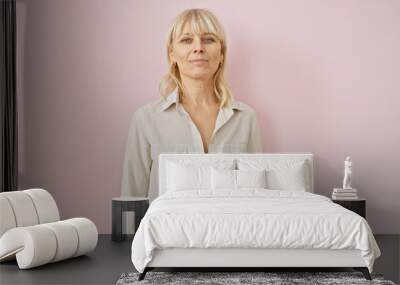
x,y
230,278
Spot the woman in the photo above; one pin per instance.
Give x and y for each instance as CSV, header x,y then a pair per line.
x,y
196,112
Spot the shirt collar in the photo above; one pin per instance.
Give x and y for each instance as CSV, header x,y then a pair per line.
x,y
171,99
174,98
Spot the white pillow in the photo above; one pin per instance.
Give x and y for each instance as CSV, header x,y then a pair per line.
x,y
186,175
251,178
223,179
237,179
281,174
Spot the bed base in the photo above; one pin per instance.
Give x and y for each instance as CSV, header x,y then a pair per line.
x,y
364,270
248,259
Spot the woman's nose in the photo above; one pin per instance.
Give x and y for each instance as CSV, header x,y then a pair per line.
x,y
198,46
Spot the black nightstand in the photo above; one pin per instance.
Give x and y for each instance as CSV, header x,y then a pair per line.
x,y
122,204
358,206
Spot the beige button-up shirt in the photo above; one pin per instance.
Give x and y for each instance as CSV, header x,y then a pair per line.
x,y
165,126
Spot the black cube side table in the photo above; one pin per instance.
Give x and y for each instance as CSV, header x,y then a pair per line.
x,y
357,205
122,204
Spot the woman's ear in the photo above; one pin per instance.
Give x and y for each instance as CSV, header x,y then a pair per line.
x,y
171,55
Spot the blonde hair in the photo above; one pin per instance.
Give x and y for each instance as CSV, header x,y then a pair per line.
x,y
200,20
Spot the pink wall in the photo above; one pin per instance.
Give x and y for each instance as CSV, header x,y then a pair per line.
x,y
324,77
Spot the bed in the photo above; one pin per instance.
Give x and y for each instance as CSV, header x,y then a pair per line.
x,y
245,210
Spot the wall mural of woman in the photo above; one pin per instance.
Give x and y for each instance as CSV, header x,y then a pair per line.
x,y
196,112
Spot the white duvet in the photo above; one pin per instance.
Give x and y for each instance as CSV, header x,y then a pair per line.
x,y
250,218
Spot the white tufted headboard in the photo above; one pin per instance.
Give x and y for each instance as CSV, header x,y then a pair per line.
x,y
201,157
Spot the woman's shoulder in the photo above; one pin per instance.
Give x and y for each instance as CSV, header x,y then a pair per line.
x,y
149,108
244,108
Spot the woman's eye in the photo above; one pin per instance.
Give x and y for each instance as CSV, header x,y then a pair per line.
x,y
187,40
209,40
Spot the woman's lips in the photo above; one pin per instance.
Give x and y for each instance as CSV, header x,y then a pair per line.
x,y
199,61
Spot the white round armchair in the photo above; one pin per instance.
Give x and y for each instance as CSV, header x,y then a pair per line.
x,y
31,230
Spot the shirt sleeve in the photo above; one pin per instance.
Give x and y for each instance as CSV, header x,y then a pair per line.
x,y
137,161
255,144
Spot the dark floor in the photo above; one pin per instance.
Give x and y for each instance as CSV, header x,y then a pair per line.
x,y
111,259
102,266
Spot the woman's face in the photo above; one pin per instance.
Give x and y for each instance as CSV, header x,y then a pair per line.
x,y
197,56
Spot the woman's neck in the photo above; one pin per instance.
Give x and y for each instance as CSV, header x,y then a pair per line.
x,y
198,93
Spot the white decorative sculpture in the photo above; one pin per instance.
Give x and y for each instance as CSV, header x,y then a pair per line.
x,y
347,174
31,231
